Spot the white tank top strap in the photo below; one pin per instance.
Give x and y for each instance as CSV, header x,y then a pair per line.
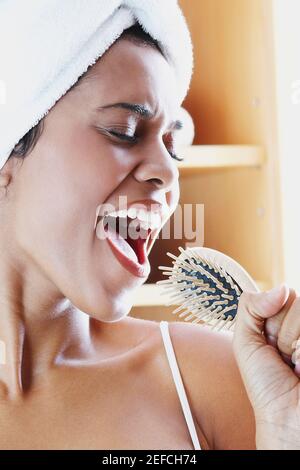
x,y
164,327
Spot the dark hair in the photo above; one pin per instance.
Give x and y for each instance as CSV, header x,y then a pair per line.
x,y
135,34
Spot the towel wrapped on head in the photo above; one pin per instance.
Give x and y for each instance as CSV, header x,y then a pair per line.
x,y
45,46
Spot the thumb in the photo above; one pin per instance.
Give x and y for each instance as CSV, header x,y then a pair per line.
x,y
254,309
264,373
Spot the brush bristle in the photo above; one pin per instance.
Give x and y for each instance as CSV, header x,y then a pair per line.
x,y
204,291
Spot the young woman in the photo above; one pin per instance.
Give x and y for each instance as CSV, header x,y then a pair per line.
x,y
79,372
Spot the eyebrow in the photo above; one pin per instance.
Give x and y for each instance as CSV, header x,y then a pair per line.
x,y
139,109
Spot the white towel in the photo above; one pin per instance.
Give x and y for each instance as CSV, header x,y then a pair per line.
x,y
46,45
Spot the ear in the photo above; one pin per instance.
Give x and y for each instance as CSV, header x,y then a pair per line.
x,y
4,180
5,177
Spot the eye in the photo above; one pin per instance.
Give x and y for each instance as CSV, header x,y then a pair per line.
x,y
133,139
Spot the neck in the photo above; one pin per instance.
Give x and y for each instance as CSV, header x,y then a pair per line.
x,y
38,328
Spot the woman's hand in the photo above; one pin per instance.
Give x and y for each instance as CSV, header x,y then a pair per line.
x,y
265,343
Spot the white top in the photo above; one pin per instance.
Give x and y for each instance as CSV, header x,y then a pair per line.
x,y
164,327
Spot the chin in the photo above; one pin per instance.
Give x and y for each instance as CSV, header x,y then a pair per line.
x,y
112,309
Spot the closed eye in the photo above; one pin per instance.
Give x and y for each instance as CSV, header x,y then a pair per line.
x,y
133,139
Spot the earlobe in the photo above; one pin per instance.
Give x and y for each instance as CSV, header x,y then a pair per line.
x,y
5,179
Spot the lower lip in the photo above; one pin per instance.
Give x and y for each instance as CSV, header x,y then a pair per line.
x,y
135,268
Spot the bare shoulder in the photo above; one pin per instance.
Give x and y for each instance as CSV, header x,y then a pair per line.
x,y
212,379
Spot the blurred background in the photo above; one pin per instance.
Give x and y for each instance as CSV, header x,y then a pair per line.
x,y
243,161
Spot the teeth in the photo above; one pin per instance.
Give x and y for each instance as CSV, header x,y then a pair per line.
x,y
122,213
155,219
143,215
132,212
145,219
113,214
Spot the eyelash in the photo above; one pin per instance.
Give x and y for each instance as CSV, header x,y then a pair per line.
x,y
133,139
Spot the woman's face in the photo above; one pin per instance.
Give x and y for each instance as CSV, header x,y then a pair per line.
x,y
78,165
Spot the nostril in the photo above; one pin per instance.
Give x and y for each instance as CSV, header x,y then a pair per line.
x,y
157,181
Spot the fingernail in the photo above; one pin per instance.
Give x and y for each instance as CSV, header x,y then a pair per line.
x,y
271,340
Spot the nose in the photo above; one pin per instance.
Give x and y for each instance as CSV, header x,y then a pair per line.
x,y
157,167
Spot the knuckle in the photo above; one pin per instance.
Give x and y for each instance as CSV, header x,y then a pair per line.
x,y
272,326
286,339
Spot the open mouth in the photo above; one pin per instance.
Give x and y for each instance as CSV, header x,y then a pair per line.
x,y
136,237
129,238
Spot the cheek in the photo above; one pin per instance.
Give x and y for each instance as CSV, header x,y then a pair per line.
x,y
56,200
172,197
44,225
97,166
54,209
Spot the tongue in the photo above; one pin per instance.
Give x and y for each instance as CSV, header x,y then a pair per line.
x,y
121,244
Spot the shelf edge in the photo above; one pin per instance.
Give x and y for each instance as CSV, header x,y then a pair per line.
x,y
153,295
200,157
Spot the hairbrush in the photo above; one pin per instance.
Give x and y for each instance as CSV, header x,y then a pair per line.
x,y
206,285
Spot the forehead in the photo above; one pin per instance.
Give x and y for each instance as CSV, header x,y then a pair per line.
x,y
134,73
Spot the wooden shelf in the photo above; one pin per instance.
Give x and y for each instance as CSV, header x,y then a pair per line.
x,y
151,295
237,185
205,157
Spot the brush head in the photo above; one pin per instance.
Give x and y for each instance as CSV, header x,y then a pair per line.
x,y
207,285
